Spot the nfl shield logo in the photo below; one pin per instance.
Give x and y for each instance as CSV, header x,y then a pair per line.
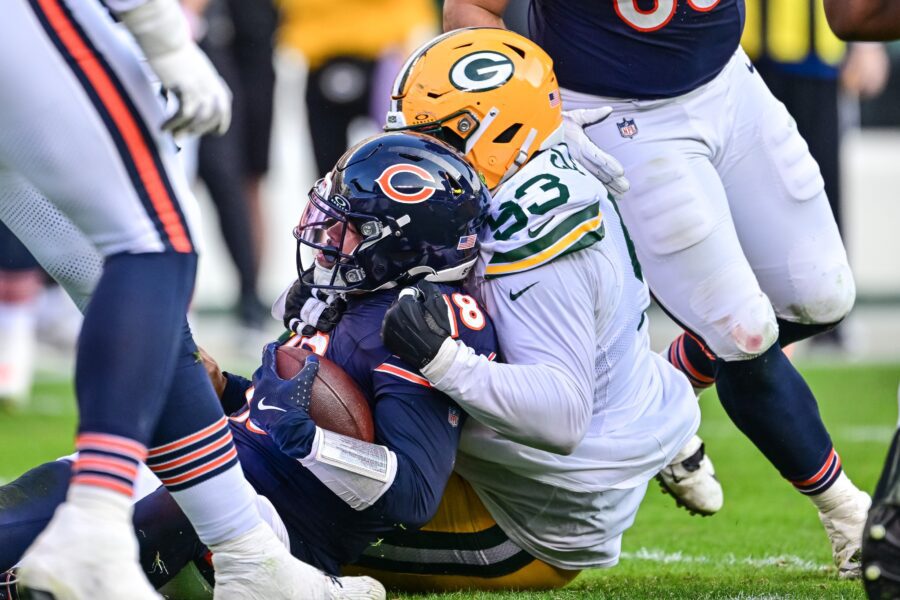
x,y
627,128
453,417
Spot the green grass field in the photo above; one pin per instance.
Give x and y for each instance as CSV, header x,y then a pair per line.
x,y
766,542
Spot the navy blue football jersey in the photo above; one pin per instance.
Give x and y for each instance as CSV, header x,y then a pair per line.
x,y
420,424
640,49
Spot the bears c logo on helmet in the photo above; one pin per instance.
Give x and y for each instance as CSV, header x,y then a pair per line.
x,y
427,185
481,71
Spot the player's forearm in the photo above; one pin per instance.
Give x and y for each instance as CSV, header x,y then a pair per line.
x,y
400,488
357,472
418,426
233,396
414,496
518,401
399,492
474,13
864,19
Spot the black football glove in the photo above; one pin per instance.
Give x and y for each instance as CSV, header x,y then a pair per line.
x,y
417,323
308,309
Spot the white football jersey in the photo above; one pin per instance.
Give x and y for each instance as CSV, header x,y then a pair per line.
x,y
563,438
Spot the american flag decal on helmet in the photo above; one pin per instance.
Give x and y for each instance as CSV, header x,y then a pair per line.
x,y
466,242
554,98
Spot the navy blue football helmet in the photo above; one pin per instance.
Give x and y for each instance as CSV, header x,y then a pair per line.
x,y
397,208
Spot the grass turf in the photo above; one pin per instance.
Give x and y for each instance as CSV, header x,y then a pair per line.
x,y
766,543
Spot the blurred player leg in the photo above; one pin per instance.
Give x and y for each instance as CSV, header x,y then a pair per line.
x,y
255,23
20,286
221,166
108,177
26,505
337,92
117,180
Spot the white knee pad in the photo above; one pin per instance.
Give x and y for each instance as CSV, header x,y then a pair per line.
x,y
753,330
822,282
738,321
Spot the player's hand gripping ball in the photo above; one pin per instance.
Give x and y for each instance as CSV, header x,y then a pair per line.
x,y
338,404
280,407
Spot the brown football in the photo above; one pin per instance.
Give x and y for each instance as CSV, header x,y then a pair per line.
x,y
337,402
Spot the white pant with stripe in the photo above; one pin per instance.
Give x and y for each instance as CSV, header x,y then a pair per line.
x,y
727,210
85,171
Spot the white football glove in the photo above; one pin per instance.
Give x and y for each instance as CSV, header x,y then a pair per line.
x,y
204,101
601,165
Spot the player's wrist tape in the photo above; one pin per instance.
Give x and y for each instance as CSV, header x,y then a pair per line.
x,y
159,26
312,311
358,472
447,355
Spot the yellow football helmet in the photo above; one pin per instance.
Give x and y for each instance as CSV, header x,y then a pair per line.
x,y
491,93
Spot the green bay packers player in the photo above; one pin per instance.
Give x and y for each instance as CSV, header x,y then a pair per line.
x,y
562,439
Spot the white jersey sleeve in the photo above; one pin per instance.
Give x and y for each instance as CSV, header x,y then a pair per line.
x,y
545,309
544,398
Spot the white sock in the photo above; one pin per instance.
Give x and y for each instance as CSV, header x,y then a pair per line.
x,y
839,494
202,472
100,502
221,508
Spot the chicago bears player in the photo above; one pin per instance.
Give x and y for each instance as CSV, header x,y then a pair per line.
x,y
727,210
561,442
89,181
396,209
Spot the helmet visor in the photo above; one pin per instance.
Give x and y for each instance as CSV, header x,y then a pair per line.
x,y
327,239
